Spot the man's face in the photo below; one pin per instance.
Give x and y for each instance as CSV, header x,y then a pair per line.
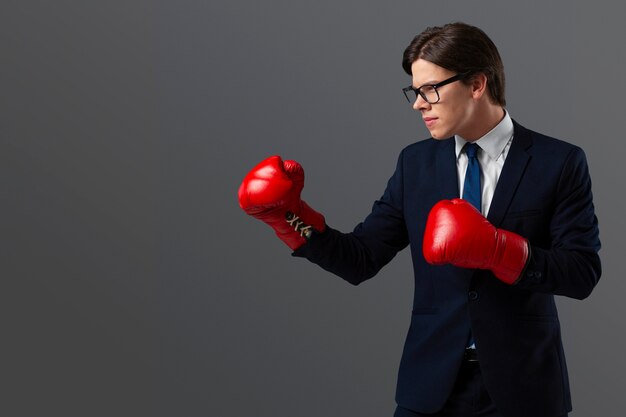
x,y
454,112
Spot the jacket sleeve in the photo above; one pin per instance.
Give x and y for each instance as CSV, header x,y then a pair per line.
x,y
571,266
359,255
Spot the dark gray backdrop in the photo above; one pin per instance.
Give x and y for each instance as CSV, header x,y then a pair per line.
x,y
131,284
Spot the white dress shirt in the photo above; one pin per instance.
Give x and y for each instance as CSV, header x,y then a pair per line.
x,y
494,146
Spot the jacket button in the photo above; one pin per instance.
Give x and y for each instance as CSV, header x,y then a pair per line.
x,y
473,295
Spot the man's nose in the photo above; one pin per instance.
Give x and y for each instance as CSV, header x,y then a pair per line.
x,y
420,103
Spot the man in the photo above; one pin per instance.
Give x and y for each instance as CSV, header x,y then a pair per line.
x,y
484,337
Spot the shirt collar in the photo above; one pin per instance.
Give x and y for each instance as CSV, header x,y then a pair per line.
x,y
494,141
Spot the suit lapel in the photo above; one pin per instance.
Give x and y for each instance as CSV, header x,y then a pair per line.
x,y
512,171
447,178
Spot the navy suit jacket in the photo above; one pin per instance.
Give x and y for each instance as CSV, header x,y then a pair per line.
x,y
543,194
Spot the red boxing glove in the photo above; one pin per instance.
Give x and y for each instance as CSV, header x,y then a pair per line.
x,y
458,234
271,193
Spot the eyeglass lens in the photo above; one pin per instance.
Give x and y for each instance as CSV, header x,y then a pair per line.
x,y
429,93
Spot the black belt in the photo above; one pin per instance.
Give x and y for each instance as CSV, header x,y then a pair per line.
x,y
470,355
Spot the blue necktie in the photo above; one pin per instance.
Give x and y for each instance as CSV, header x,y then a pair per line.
x,y
471,187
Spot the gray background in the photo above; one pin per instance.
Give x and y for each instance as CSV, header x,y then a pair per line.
x,y
131,284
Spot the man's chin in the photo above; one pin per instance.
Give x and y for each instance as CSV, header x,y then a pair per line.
x,y
439,134
436,135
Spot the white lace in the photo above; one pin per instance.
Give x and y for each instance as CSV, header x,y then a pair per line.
x,y
298,225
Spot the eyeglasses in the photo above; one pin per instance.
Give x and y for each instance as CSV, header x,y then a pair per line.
x,y
429,92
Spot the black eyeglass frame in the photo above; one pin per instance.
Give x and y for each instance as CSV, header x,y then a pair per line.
x,y
435,87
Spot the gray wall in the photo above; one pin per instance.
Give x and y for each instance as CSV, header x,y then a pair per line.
x,y
131,284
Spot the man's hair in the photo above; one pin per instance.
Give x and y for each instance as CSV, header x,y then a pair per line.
x,y
461,48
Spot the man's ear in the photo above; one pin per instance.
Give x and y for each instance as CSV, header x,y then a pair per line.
x,y
479,85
